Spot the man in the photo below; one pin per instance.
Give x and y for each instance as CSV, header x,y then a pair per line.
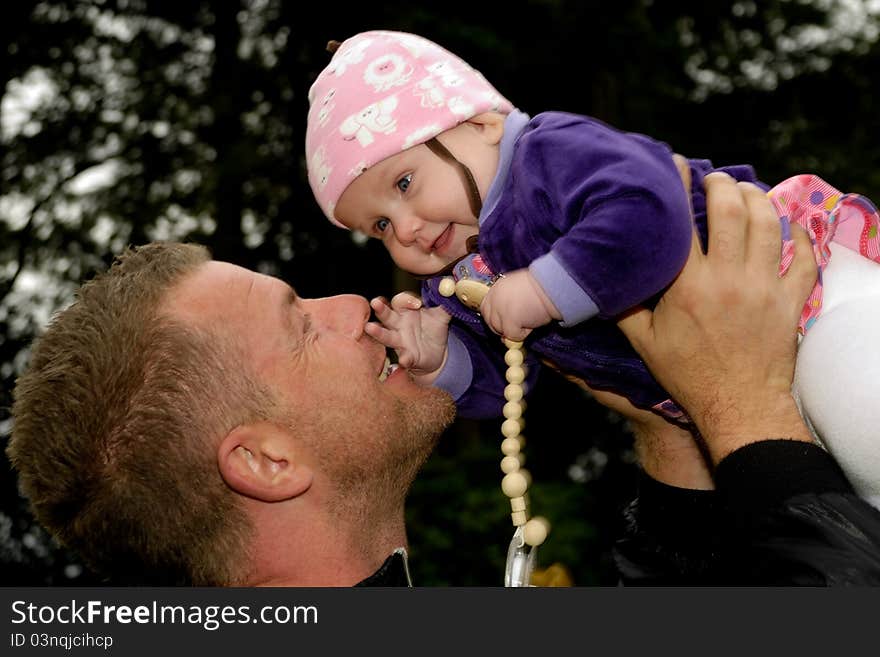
x,y
200,422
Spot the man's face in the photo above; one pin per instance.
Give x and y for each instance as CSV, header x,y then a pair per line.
x,y
323,370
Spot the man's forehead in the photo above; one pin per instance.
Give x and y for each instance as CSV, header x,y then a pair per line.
x,y
215,276
219,288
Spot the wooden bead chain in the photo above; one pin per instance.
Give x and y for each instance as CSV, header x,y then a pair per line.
x,y
515,484
516,481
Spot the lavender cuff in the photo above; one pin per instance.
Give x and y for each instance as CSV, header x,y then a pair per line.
x,y
455,377
569,298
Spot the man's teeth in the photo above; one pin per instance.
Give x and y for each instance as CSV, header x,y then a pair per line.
x,y
387,369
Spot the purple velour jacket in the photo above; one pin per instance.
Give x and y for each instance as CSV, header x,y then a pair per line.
x,y
600,218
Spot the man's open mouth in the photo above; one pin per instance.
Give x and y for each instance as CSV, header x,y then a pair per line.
x,y
387,369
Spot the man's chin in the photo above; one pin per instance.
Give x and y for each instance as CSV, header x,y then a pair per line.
x,y
427,418
443,407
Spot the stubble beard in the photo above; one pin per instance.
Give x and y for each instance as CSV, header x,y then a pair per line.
x,y
373,465
422,425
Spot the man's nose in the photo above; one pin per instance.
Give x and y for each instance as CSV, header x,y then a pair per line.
x,y
344,313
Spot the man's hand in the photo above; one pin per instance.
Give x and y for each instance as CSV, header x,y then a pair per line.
x,y
417,334
516,304
722,340
666,451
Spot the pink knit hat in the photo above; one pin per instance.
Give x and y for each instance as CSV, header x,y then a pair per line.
x,y
382,93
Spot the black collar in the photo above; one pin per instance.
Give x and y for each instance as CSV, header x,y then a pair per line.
x,y
393,572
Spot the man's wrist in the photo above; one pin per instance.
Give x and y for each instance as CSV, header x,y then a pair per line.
x,y
728,427
670,454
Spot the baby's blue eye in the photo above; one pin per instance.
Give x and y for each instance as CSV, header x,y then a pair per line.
x,y
404,183
382,224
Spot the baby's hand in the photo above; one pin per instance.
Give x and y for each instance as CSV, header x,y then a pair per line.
x,y
417,334
515,304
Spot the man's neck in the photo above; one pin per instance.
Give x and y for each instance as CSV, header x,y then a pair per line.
x,y
322,551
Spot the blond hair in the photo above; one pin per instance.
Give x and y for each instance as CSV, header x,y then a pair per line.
x,y
116,423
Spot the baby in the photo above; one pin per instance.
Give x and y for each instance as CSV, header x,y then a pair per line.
x,y
571,222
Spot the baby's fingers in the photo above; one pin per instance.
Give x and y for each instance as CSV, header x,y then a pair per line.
x,y
406,301
384,311
516,333
381,334
506,329
379,303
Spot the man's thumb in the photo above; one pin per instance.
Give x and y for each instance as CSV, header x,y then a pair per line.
x,y
637,325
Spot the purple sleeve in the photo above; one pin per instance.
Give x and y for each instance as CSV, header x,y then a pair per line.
x,y
617,203
457,373
484,397
569,298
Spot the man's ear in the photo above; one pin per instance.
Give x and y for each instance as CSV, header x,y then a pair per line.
x,y
490,126
259,460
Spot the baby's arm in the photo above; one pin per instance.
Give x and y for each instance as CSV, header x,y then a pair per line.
x,y
516,304
418,335
608,210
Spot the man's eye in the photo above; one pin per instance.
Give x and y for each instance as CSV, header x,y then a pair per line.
x,y
382,224
404,183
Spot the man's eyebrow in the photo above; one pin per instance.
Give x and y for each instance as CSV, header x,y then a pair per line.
x,y
289,301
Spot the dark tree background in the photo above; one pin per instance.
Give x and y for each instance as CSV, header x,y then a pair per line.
x,y
130,120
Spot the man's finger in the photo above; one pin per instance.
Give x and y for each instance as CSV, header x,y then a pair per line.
x,y
803,271
727,218
684,170
638,327
764,228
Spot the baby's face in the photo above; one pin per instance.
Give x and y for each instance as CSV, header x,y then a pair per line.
x,y
416,203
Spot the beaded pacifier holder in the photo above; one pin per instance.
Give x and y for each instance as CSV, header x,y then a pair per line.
x,y
528,533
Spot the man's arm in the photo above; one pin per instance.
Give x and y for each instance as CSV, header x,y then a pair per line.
x,y
722,341
666,452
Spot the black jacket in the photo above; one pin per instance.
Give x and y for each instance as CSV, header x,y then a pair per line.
x,y
782,514
393,572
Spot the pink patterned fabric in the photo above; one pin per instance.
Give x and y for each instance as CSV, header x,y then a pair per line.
x,y
382,93
828,215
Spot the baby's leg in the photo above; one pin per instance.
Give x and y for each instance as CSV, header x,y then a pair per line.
x,y
837,379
